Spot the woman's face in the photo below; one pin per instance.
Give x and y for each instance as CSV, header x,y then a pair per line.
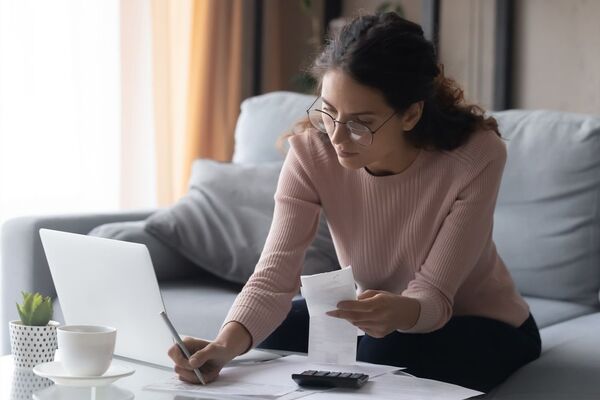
x,y
345,100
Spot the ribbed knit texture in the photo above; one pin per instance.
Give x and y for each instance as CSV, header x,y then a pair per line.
x,y
425,233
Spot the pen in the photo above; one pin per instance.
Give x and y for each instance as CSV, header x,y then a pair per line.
x,y
181,345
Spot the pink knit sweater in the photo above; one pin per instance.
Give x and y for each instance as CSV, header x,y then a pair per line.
x,y
425,233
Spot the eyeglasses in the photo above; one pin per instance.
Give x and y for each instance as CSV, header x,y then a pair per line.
x,y
325,123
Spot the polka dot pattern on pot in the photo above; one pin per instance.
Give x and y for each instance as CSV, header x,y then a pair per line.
x,y
32,345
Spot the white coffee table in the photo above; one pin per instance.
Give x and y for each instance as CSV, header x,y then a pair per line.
x,y
21,384
17,384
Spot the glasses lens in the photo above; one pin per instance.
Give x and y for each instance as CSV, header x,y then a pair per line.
x,y
321,121
360,133
325,123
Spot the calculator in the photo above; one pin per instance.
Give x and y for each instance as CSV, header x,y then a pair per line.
x,y
329,379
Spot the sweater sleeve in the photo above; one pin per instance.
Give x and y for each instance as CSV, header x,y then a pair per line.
x,y
266,298
462,237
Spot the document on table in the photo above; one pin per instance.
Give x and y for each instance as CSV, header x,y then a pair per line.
x,y
221,388
281,370
396,387
257,379
330,340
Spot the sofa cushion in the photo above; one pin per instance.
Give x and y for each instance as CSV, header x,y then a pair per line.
x,y
198,307
262,121
549,312
567,368
168,263
547,219
571,330
222,223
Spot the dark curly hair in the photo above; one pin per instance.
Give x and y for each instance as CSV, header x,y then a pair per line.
x,y
390,54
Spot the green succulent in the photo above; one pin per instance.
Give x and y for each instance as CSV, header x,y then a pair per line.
x,y
36,310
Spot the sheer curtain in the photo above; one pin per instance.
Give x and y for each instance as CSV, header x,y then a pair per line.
x,y
59,106
76,125
76,130
203,57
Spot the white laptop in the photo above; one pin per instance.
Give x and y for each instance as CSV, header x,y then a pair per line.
x,y
110,282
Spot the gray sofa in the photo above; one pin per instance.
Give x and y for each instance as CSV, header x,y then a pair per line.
x,y
547,229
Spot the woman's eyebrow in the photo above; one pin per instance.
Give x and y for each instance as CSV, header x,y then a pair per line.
x,y
354,113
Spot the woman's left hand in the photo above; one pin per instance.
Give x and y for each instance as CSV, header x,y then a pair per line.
x,y
379,313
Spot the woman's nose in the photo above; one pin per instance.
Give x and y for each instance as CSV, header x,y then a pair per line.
x,y
339,134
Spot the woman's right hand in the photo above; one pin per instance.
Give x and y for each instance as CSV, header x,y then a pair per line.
x,y
210,357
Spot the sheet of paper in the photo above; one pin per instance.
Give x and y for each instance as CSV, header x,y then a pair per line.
x,y
221,388
257,379
397,387
254,356
330,340
281,370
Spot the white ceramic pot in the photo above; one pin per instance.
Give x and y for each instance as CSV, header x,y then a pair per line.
x,y
32,345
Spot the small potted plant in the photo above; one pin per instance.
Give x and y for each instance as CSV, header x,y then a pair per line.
x,y
33,338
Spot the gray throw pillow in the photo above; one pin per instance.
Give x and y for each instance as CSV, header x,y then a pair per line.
x,y
547,219
222,223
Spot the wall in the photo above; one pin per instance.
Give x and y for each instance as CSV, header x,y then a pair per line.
x,y
466,47
556,50
557,55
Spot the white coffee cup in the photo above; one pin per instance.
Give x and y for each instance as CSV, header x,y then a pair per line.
x,y
86,350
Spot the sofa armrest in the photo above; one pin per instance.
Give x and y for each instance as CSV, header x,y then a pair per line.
x,y
24,267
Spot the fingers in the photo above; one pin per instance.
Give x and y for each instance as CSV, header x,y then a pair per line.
x,y
178,357
200,357
210,373
364,304
370,312
374,329
186,375
352,310
354,317
353,305
193,346
365,301
368,293
208,357
203,356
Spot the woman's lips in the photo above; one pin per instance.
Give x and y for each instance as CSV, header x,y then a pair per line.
x,y
345,154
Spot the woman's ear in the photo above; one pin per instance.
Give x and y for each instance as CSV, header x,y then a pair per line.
x,y
412,115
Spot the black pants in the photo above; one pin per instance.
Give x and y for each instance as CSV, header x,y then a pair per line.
x,y
474,352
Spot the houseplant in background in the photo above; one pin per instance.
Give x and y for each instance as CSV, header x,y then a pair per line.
x,y
303,81
33,338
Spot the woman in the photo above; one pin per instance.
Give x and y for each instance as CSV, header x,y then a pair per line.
x,y
407,175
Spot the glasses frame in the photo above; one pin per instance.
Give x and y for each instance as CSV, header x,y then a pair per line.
x,y
335,121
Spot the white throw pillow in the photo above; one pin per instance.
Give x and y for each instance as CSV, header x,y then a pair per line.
x,y
263,120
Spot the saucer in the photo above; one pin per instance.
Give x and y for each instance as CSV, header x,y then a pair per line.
x,y
56,373
79,393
